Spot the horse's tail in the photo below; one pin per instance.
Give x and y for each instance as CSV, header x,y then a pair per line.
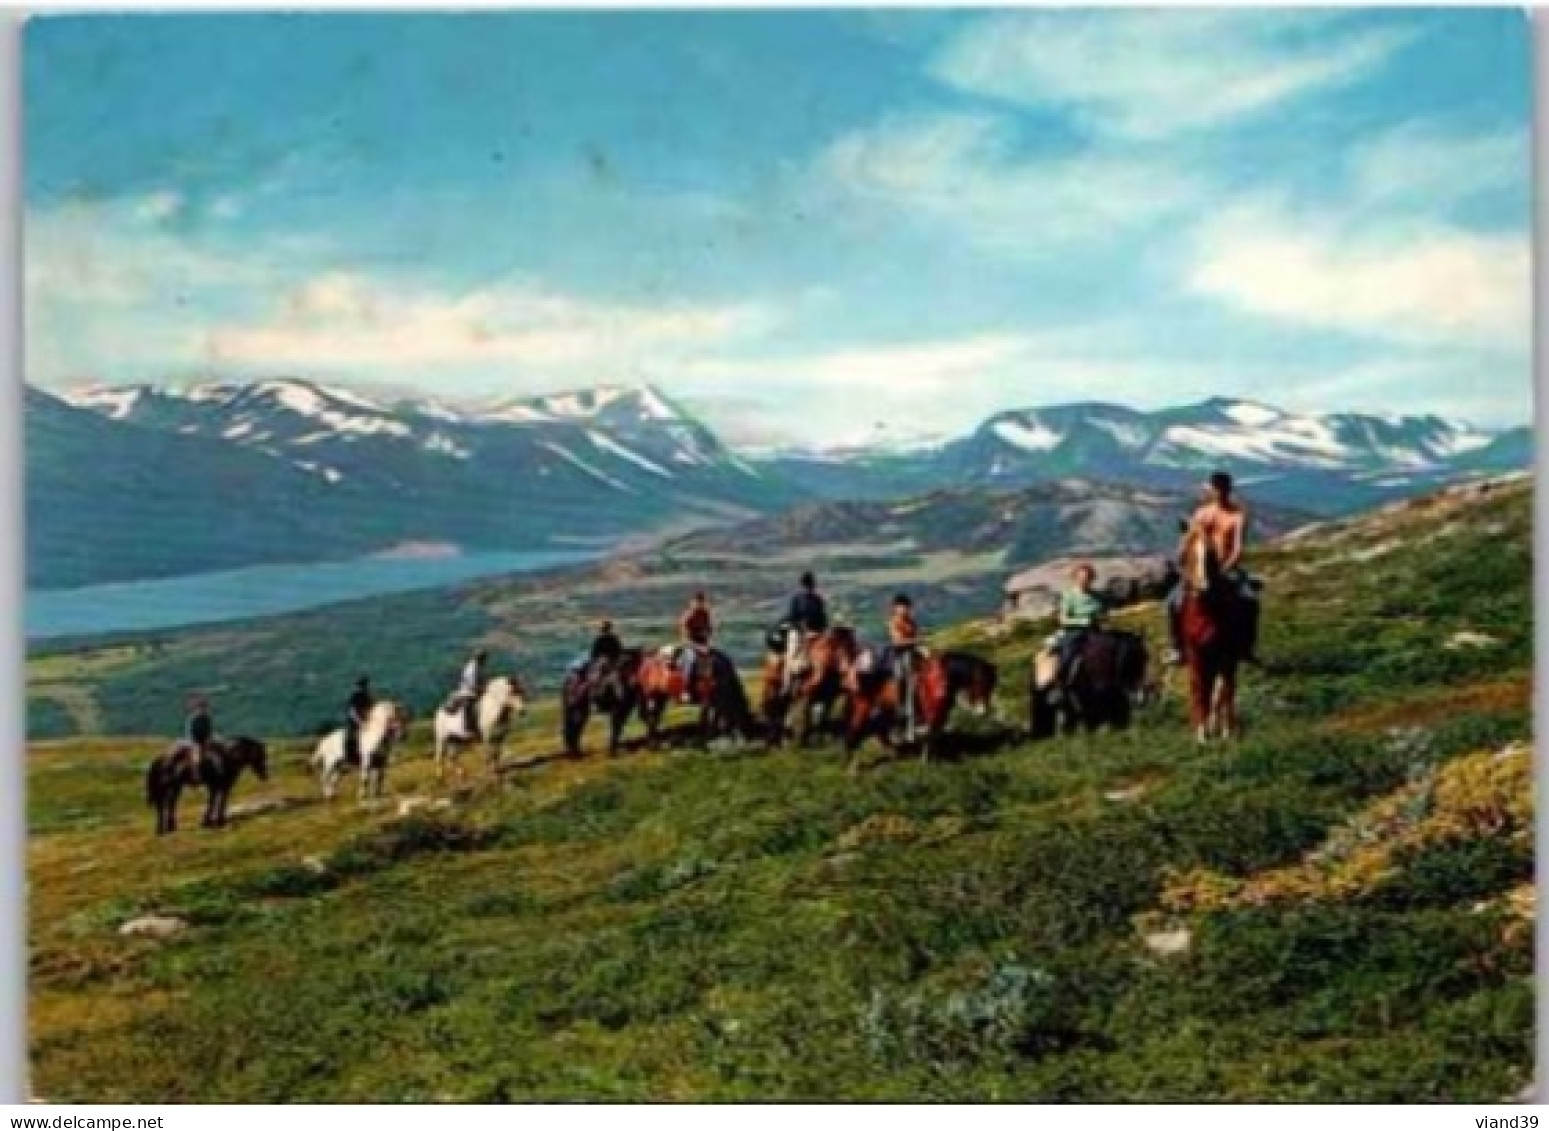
x,y
154,783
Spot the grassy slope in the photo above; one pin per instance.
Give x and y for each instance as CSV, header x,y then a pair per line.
x,y
724,926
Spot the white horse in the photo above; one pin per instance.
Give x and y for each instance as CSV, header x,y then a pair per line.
x,y
386,723
503,700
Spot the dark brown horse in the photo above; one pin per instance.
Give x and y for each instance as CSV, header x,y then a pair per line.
x,y
939,681
716,689
829,658
1108,682
179,767
610,689
1215,627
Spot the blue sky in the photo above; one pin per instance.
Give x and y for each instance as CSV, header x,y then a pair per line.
x,y
812,226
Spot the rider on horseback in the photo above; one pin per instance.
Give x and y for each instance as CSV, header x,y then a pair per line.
x,y
470,685
806,619
696,628
1222,522
903,632
607,647
1081,612
198,731
358,710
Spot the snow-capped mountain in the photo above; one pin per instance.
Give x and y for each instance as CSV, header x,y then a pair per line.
x,y
627,441
288,470
602,462
1323,462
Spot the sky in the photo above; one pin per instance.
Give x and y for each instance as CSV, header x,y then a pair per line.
x,y
811,227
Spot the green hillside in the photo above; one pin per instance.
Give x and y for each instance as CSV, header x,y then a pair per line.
x,y
1335,908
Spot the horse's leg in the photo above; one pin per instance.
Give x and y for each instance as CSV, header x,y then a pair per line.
x,y
1227,705
172,799
1199,697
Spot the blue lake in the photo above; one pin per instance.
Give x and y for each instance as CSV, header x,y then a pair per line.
x,y
206,598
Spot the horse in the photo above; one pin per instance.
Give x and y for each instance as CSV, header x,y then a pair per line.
x,y
503,700
1214,623
939,679
820,686
386,724
177,768
611,688
1107,683
717,690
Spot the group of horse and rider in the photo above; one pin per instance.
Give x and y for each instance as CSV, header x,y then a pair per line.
x,y
812,663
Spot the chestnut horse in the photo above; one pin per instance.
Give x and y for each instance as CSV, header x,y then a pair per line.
x,y
717,691
939,680
1214,629
829,658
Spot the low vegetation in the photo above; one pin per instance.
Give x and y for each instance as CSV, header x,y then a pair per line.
x,y
1335,908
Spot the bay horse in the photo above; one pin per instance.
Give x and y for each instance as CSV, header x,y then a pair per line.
x,y
502,701
611,689
717,691
830,656
177,768
1214,623
939,680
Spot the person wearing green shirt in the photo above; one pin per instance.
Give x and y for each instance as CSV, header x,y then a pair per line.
x,y
1080,612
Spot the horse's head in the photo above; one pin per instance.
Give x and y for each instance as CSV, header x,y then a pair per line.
x,y
1201,571
510,694
843,645
391,718
959,674
258,757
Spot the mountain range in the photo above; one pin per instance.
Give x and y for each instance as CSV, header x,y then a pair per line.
x,y
1333,463
127,482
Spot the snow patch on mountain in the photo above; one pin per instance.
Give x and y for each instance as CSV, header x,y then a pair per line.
x,y
116,404
1029,434
1250,414
617,449
1126,435
601,476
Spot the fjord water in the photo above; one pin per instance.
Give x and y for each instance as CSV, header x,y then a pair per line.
x,y
206,598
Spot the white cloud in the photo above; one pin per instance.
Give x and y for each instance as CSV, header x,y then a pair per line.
x,y
1157,73
1410,284
353,321
964,172
1423,165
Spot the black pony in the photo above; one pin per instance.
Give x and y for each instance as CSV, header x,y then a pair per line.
x,y
179,767
1107,679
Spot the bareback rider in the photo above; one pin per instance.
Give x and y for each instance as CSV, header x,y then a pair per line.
x,y
696,627
470,686
1221,521
355,715
807,619
903,642
1081,612
198,732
